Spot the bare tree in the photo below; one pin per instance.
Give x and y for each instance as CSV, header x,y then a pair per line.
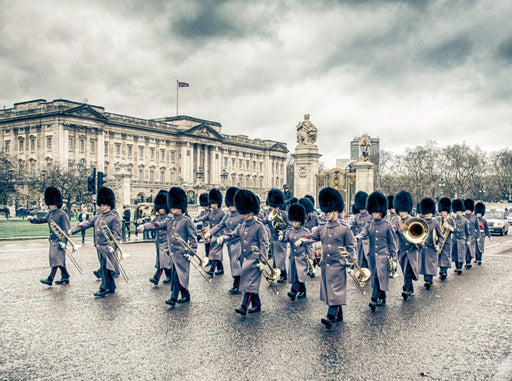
x,y
502,171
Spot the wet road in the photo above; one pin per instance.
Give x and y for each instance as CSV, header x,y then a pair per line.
x,y
458,330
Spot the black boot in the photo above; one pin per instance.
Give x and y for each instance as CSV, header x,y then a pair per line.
x,y
292,295
327,321
373,304
47,281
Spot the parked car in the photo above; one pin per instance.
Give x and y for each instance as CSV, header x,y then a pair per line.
x,y
497,222
39,212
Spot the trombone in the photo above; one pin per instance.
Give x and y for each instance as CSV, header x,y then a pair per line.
x,y
270,273
64,238
112,242
359,275
194,258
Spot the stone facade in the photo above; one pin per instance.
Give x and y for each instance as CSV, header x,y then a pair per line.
x,y
153,153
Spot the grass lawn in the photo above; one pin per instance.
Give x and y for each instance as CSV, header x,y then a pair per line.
x,y
17,227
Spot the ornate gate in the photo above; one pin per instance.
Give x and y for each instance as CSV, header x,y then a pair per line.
x,y
343,180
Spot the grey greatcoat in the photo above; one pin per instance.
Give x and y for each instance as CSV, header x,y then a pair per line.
x,y
483,232
445,258
429,256
298,264
333,286
474,234
229,223
185,228
363,245
57,255
163,257
383,245
113,222
278,248
460,238
214,218
250,233
407,252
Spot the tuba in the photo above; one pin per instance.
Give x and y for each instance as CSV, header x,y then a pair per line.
x,y
112,242
415,230
276,220
359,275
198,262
64,238
270,273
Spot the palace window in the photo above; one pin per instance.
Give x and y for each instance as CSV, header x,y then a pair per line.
x,y
173,156
81,145
93,146
118,149
48,142
141,174
141,152
106,148
71,146
151,153
172,177
162,176
162,155
7,146
32,170
32,145
22,145
151,175
129,150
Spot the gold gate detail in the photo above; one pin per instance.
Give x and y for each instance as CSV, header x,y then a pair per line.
x,y
343,180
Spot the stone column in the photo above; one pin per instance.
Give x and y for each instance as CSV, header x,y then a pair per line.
x,y
364,176
306,167
123,191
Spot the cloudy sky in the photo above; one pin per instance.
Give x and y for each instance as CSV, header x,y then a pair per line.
x,y
404,71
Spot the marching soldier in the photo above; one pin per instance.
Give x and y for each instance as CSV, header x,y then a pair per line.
x,y
250,232
163,258
183,226
429,256
229,223
408,254
474,231
107,217
361,218
334,234
383,247
57,255
278,249
484,231
203,218
298,262
447,223
214,218
460,236
311,223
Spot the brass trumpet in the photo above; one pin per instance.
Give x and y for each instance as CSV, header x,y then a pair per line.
x,y
359,275
64,238
415,230
205,232
270,273
309,262
392,268
194,258
446,229
278,223
112,242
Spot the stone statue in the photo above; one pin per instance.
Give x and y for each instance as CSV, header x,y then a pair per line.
x,y
364,146
306,132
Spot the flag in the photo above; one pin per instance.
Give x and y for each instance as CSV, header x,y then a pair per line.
x,y
183,84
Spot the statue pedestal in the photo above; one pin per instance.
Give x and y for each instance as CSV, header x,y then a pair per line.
x,y
122,190
306,167
364,176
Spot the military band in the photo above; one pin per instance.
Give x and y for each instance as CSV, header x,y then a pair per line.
x,y
385,231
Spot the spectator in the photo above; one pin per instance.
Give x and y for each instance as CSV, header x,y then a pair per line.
x,y
288,195
82,217
126,222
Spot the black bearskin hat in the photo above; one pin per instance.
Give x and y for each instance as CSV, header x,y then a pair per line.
x,y
360,200
161,200
457,205
444,204
294,200
469,204
246,202
403,202
106,197
215,197
52,196
427,205
377,202
203,199
354,209
177,199
390,201
297,212
307,204
330,199
275,198
311,198
480,208
230,194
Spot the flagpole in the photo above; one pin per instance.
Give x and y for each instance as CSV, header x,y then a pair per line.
x,y
177,87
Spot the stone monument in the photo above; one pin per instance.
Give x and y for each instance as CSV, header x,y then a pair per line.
x,y
364,167
305,158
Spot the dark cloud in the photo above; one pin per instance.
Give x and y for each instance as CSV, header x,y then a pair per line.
x,y
449,53
504,51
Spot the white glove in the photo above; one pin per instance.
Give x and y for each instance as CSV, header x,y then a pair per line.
x,y
110,248
140,228
220,240
314,229
298,242
62,245
281,237
30,218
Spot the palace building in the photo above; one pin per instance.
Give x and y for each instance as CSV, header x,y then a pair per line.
x,y
139,156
